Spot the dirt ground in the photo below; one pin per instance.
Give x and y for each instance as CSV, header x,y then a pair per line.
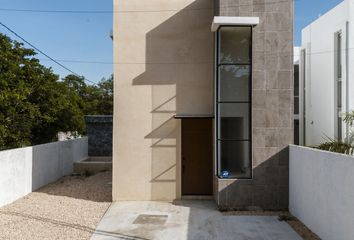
x,y
70,208
297,225
302,230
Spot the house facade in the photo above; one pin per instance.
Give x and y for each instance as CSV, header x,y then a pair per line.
x,y
203,101
326,67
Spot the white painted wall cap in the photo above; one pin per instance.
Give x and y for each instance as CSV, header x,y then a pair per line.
x,y
229,21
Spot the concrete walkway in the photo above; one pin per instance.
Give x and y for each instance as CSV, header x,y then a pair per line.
x,y
186,220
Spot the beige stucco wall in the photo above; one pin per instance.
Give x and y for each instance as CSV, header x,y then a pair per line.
x,y
163,54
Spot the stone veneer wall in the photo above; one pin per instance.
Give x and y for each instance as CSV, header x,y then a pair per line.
x,y
272,106
99,132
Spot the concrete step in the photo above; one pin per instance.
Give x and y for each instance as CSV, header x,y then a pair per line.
x,y
98,159
93,165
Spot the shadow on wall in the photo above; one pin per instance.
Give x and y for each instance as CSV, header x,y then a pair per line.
x,y
24,170
50,162
179,54
53,160
179,67
268,190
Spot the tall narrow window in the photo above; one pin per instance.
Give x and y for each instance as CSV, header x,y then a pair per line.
x,y
233,102
296,105
303,92
338,86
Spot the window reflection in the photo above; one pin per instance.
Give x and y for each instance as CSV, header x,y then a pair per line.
x,y
234,102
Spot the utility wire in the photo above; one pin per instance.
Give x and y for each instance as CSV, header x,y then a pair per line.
x,y
51,11
185,63
43,53
80,61
128,11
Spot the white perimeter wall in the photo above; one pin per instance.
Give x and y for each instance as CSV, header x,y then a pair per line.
x,y
24,170
318,40
321,192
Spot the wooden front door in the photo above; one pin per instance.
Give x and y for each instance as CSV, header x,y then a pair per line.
x,y
197,156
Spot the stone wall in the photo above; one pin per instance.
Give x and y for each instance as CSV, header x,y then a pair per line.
x,y
99,132
272,105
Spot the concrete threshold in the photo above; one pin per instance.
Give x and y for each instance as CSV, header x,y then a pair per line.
x,y
197,197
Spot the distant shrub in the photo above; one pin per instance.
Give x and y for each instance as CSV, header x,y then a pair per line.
x,y
333,145
339,146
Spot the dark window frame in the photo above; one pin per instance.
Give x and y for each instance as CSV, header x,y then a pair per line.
x,y
338,120
217,102
302,94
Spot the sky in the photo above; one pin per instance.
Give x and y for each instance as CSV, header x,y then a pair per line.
x,y
65,36
307,11
85,37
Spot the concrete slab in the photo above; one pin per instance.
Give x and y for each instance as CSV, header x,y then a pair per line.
x,y
187,220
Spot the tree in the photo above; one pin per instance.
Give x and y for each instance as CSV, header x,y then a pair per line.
x,y
106,96
96,100
34,105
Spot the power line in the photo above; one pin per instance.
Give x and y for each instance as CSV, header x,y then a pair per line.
x,y
185,63
80,61
50,11
128,11
43,53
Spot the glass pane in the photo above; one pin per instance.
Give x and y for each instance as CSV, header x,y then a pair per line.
x,y
296,105
339,93
235,45
234,83
234,121
296,80
339,55
340,128
235,159
296,132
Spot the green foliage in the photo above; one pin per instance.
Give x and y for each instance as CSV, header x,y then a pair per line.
x,y
349,118
105,105
95,100
335,145
35,105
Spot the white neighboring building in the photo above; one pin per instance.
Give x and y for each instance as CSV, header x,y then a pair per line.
x,y
327,75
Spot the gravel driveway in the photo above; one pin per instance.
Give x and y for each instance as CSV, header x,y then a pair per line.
x,y
67,209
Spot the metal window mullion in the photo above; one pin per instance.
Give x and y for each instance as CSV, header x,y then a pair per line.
x,y
234,64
